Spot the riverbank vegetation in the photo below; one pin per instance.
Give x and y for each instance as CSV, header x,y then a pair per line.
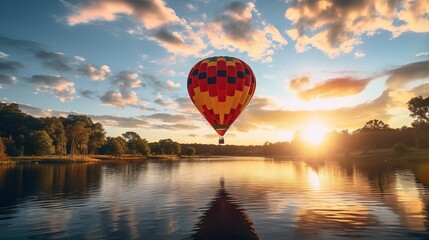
x,y
74,137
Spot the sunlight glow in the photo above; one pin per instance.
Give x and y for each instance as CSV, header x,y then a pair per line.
x,y
314,180
314,133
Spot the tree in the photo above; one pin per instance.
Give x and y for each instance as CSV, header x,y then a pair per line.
x,y
78,137
190,151
135,144
375,125
39,143
419,108
115,146
97,138
168,146
155,148
3,155
54,127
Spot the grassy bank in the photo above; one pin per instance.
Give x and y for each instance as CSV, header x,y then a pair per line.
x,y
411,154
54,158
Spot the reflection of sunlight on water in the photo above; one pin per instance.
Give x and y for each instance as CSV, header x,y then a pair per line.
x,y
410,201
314,180
159,199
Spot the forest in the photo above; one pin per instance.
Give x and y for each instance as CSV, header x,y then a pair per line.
x,y
24,135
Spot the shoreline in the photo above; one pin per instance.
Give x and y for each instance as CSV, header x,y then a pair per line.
x,y
356,156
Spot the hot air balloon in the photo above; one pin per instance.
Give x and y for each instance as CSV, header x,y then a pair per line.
x,y
221,88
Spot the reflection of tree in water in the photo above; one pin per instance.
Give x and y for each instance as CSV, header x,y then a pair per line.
x,y
131,171
314,221
167,166
422,176
76,180
224,219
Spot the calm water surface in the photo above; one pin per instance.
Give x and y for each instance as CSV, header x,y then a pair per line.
x,y
168,199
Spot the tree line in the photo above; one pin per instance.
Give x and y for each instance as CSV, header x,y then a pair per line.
x,y
22,134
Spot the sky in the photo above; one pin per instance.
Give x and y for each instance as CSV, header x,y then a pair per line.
x,y
331,64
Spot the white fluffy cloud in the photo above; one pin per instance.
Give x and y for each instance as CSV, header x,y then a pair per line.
x,y
119,99
3,55
172,85
235,29
127,80
151,13
60,87
95,73
336,27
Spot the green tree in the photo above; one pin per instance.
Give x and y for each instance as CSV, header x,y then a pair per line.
x,y
135,144
3,155
168,146
39,143
155,148
54,127
419,108
190,151
115,146
97,138
78,136
375,125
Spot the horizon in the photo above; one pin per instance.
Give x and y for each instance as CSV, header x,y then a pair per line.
x,y
125,64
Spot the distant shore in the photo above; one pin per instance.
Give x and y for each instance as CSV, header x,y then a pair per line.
x,y
410,154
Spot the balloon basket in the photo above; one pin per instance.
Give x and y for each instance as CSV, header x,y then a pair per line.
x,y
221,140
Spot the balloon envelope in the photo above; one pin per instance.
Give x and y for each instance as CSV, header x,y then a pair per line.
x,y
221,88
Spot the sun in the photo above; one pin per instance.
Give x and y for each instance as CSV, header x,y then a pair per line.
x,y
314,133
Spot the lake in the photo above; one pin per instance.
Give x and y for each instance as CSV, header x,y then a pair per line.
x,y
279,199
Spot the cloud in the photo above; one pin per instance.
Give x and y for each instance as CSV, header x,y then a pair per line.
x,y
191,7
119,99
79,58
54,60
192,135
297,84
19,44
95,73
169,118
175,127
422,90
60,87
151,13
422,54
10,66
164,103
185,105
3,55
359,54
168,72
342,118
184,43
87,94
336,87
6,80
172,85
106,120
261,103
410,72
336,27
153,81
235,29
111,120
127,80
122,122
173,38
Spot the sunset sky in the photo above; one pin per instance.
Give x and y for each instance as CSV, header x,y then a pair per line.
x,y
334,64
